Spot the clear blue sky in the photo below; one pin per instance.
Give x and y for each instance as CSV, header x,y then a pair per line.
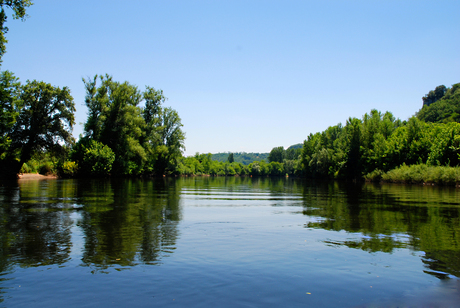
x,y
246,75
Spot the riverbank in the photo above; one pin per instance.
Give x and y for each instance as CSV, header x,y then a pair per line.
x,y
418,174
35,176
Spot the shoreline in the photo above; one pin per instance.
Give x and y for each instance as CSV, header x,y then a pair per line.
x,y
35,176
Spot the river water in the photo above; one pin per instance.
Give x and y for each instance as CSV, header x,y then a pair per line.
x,y
228,242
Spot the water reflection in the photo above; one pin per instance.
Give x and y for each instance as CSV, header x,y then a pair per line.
x,y
123,222
389,217
139,223
128,222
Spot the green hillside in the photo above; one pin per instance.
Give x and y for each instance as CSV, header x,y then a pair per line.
x,y
241,157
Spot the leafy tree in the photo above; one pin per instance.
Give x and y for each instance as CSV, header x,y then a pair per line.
x,y
445,147
144,140
9,108
98,159
45,120
114,119
276,169
277,154
434,96
230,158
353,135
293,153
19,12
172,140
442,105
241,157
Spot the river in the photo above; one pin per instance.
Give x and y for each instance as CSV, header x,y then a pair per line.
x,y
228,242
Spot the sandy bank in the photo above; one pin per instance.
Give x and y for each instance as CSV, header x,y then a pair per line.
x,y
35,176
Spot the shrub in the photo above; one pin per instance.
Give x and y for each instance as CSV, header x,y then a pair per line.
x,y
97,159
46,169
68,169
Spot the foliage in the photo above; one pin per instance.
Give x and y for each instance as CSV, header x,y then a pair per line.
x,y
41,162
441,105
144,140
277,154
45,120
434,96
420,173
241,157
68,169
38,118
9,108
92,157
97,159
230,158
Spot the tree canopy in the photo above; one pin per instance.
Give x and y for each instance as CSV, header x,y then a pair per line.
x,y
441,105
145,139
38,117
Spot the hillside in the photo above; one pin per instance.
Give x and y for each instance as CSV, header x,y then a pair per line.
x,y
241,157
441,105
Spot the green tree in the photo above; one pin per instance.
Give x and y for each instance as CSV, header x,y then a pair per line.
x,y
97,159
19,12
434,96
230,158
9,108
145,140
277,154
441,105
115,119
172,140
353,164
44,122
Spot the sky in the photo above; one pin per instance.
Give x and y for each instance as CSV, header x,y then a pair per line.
x,y
246,76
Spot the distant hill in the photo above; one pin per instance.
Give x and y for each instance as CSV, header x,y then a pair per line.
x,y
296,146
247,158
241,157
441,105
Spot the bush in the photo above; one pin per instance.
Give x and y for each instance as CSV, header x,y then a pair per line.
x,y
98,159
374,176
92,158
68,169
46,169
422,174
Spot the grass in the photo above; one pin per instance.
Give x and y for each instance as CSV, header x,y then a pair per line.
x,y
442,175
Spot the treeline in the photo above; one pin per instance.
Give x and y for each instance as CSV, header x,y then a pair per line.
x,y
203,164
120,137
378,142
240,157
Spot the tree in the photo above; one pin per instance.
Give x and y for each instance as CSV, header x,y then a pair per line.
x,y
45,120
230,158
353,163
97,159
172,140
144,140
9,108
441,105
434,96
277,154
19,12
115,119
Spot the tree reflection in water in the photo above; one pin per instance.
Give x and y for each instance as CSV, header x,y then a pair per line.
x,y
129,222
124,222
389,217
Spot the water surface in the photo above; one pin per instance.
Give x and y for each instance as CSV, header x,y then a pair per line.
x,y
226,242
